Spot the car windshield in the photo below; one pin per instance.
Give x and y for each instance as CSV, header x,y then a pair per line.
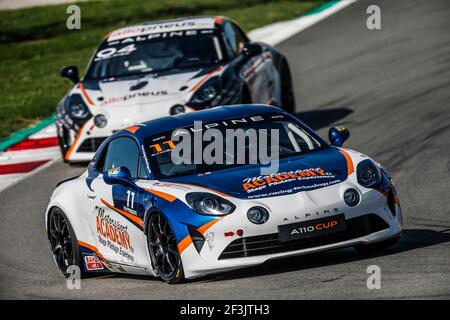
x,y
229,143
137,55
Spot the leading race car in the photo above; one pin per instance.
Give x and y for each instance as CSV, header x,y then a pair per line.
x,y
146,71
138,210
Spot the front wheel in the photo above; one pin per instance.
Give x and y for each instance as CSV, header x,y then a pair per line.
x,y
163,250
376,247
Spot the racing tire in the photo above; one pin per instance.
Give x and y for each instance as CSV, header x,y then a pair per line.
x,y
287,92
377,246
162,246
63,243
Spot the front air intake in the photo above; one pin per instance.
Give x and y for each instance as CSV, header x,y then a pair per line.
x,y
269,244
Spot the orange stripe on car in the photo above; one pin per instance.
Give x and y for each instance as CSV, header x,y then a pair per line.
x,y
72,147
92,248
85,95
128,215
218,20
107,35
350,167
203,80
161,194
183,244
208,225
132,129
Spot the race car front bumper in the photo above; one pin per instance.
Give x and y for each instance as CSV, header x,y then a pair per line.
x,y
88,139
372,221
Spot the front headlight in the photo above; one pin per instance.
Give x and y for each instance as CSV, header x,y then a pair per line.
x,y
207,92
368,174
210,204
177,109
78,110
76,107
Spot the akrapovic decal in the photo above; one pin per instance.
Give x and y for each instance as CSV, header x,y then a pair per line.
x,y
262,182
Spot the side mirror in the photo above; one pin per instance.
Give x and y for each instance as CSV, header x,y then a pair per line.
x,y
338,135
252,49
71,73
119,175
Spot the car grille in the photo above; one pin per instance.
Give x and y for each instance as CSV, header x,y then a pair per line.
x,y
269,244
90,145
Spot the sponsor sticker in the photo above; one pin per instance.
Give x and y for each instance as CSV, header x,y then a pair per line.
x,y
114,235
114,171
93,263
312,228
261,182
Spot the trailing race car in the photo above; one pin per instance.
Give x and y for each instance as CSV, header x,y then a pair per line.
x,y
135,210
164,68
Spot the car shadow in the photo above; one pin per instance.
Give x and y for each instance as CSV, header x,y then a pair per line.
x,y
412,239
322,118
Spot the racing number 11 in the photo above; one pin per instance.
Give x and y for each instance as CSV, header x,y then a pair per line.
x,y
130,196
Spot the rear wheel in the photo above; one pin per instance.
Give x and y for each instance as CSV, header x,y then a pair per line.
x,y
63,242
287,93
163,249
376,247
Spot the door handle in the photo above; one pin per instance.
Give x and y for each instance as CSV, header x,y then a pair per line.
x,y
91,195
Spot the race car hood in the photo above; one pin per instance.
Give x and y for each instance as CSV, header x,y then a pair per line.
x,y
294,174
144,90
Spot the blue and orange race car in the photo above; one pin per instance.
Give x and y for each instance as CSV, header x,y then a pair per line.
x,y
137,210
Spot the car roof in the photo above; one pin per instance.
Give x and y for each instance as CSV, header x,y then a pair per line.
x,y
169,123
169,25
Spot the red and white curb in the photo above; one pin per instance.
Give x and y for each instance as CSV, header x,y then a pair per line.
x,y
41,149
25,157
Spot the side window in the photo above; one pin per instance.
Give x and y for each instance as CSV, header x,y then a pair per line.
x,y
122,152
142,171
235,38
230,36
101,160
241,38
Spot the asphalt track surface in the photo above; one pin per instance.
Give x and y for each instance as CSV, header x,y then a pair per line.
x,y
391,88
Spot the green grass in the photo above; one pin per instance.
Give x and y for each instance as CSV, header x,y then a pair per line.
x,y
35,44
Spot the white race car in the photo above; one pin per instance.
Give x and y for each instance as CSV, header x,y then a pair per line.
x,y
136,211
143,72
